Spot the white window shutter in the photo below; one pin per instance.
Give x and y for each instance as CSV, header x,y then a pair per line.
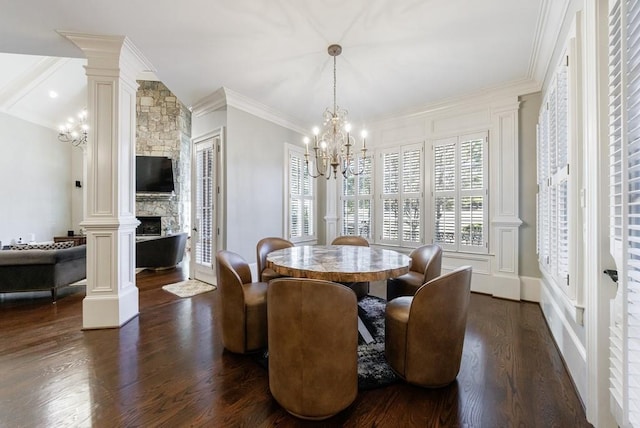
x,y
624,169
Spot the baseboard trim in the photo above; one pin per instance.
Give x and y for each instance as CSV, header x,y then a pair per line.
x,y
564,334
530,289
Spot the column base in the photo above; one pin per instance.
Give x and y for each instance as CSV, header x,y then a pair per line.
x,y
109,311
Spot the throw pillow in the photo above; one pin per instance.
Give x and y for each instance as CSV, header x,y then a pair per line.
x,y
50,246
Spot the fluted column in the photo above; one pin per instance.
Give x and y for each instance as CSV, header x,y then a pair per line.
x,y
112,66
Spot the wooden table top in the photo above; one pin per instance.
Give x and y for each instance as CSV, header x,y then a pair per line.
x,y
339,263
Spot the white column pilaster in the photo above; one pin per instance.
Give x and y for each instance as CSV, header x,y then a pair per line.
x,y
505,219
112,65
331,215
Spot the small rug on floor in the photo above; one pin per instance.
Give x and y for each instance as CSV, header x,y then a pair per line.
x,y
188,288
373,369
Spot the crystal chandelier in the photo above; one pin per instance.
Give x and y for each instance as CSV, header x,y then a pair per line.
x,y
333,144
75,131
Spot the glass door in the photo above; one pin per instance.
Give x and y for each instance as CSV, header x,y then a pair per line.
x,y
204,231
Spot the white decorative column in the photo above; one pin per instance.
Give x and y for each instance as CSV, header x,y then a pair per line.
x,y
505,219
112,66
331,217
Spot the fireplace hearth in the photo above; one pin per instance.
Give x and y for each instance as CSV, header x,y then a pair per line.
x,y
149,226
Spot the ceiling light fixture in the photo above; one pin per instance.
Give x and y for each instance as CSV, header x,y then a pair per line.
x,y
53,94
75,131
333,144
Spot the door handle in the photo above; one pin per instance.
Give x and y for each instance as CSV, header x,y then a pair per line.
x,y
613,274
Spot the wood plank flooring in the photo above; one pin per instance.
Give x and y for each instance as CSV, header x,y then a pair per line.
x,y
167,367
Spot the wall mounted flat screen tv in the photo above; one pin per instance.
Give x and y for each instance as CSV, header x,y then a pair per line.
x,y
154,174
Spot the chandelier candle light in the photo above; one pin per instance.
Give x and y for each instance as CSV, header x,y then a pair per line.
x,y
332,146
75,132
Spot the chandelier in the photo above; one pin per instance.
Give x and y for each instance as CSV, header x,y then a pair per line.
x,y
75,131
333,144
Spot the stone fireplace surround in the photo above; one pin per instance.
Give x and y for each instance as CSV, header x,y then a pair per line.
x,y
164,129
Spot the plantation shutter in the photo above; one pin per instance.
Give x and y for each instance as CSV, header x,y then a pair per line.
x,y
301,199
473,193
401,195
444,170
624,151
412,195
356,201
204,203
553,179
460,191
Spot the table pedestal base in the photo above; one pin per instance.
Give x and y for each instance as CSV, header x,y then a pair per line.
x,y
362,329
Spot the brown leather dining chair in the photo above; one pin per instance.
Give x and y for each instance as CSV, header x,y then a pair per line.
x,y
264,247
243,304
313,371
426,263
424,334
360,288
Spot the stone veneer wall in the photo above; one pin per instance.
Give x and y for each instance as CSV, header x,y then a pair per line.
x,y
164,129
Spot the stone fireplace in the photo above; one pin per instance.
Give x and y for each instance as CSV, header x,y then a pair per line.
x,y
164,129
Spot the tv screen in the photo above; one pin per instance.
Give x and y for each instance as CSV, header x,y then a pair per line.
x,y
154,174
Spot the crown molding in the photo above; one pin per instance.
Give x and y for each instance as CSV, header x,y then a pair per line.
x,y
22,86
224,97
552,15
212,102
485,96
104,51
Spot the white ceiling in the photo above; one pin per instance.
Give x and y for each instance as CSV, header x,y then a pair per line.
x,y
397,55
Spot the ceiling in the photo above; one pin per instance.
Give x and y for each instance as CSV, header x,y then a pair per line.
x,y
397,55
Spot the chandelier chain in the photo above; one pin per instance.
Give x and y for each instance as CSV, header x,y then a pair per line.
x,y
335,105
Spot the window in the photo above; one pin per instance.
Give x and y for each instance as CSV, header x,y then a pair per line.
x,y
357,201
401,196
624,177
301,201
460,192
553,180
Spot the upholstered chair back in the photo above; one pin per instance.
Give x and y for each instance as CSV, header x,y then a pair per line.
x,y
313,340
425,333
242,304
264,247
360,288
350,240
427,260
426,263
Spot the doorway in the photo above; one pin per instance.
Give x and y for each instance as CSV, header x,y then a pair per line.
x,y
204,205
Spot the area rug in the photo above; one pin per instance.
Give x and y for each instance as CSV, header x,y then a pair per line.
x,y
188,288
373,369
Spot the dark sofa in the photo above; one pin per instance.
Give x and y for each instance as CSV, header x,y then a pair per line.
x,y
34,270
160,252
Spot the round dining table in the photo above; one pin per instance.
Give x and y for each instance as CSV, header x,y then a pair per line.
x,y
339,263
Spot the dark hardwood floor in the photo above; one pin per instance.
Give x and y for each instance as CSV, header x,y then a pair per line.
x,y
168,368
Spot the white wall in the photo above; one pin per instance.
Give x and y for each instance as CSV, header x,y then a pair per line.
x,y
496,112
77,193
35,172
253,164
254,180
528,118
